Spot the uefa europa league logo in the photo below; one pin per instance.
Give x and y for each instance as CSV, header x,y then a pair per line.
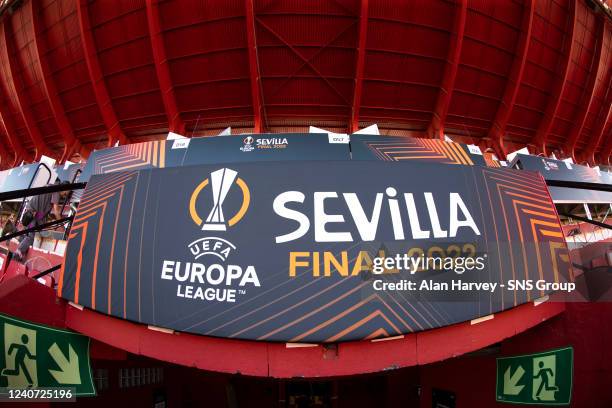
x,y
221,182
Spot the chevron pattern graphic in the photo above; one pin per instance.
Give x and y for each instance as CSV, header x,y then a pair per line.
x,y
135,156
523,214
491,162
433,150
98,214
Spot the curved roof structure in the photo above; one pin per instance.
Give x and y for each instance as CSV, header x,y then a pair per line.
x,y
78,74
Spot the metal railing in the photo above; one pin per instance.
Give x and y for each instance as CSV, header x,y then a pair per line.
x,y
31,192
23,202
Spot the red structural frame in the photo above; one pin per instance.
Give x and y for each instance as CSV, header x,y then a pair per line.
x,y
263,358
515,78
115,134
26,114
175,122
559,86
78,75
19,152
71,144
361,51
436,127
254,72
595,72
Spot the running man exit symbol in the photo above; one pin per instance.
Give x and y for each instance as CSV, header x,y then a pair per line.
x,y
543,378
19,356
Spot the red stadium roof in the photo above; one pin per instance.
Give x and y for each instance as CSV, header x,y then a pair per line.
x,y
77,74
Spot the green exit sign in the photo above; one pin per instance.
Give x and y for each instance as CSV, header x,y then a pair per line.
x,y
33,355
536,379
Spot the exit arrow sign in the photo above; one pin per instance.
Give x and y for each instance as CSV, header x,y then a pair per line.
x,y
537,379
33,355
69,372
511,386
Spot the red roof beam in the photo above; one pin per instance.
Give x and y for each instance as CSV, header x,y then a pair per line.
x,y
588,94
436,127
71,144
598,132
22,105
607,144
254,71
5,162
498,127
541,136
361,53
97,78
160,60
8,126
